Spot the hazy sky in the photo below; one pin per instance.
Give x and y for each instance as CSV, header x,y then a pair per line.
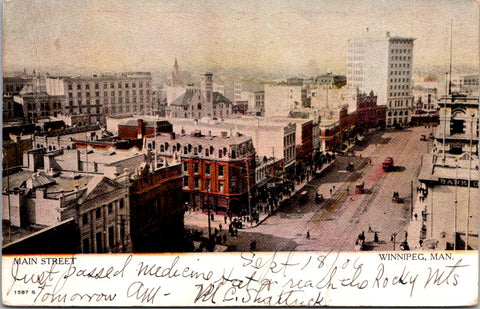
x,y
294,36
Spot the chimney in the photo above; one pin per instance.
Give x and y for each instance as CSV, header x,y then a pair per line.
x,y
209,133
224,134
140,129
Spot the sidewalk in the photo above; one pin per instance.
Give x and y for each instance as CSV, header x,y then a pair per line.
x,y
199,218
415,226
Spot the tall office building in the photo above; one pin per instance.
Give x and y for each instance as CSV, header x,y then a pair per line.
x,y
383,65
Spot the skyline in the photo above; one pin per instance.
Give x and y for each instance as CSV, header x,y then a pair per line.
x,y
294,37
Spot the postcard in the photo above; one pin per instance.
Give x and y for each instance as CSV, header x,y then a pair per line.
x,y
240,153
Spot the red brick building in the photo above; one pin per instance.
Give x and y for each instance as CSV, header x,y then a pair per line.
x,y
137,129
369,114
218,170
156,210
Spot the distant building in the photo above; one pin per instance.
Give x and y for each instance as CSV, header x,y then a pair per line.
x,y
108,94
383,65
198,103
281,99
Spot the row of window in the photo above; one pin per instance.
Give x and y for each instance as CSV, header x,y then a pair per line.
x,y
197,185
400,51
112,85
398,94
98,211
196,169
400,79
404,58
399,72
400,65
112,93
399,87
107,101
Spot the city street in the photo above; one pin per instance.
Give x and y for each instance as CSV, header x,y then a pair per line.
x,y
335,223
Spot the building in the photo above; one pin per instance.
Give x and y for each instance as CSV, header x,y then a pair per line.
x,y
107,94
281,99
336,128
383,65
197,103
156,209
369,114
137,129
98,205
65,138
218,170
465,83
255,101
458,129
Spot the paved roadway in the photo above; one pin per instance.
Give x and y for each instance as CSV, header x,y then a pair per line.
x,y
336,222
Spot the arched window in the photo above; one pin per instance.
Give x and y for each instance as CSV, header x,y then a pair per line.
x,y
162,148
234,154
166,146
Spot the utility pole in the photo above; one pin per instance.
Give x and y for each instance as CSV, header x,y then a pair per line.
x,y
411,200
467,233
248,189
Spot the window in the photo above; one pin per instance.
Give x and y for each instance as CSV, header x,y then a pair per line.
x,y
220,186
87,86
126,85
110,208
197,183
207,169
185,167
111,237
69,87
220,170
79,87
98,213
86,245
96,86
85,219
122,203
195,167
220,153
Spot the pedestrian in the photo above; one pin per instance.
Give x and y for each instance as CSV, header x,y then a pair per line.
x,y
225,219
212,217
370,228
224,238
220,227
333,187
308,234
406,235
416,216
347,191
236,232
331,191
254,243
375,237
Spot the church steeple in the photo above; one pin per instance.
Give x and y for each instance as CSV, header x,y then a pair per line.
x,y
176,79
